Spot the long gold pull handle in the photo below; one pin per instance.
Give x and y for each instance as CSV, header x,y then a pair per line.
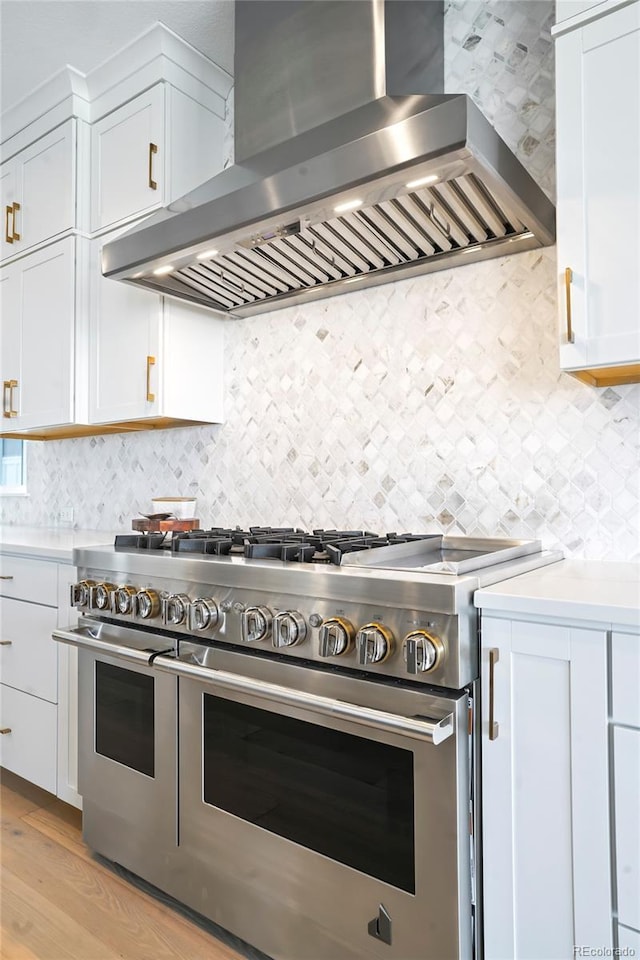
x,y
150,363
10,385
568,277
5,643
494,656
5,729
16,236
5,394
8,212
7,576
153,149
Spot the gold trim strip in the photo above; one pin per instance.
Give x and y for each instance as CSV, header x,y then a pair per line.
x,y
608,376
72,430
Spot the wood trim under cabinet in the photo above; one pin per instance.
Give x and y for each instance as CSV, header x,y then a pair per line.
x,y
608,376
93,430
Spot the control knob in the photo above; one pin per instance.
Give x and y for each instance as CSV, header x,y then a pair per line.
x,y
147,604
374,643
422,651
81,592
175,608
289,628
255,624
101,596
123,599
203,613
336,637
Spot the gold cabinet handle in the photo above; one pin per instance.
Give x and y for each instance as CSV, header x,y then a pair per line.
x,y
16,236
8,212
7,576
5,729
150,363
8,411
494,656
153,149
568,277
5,643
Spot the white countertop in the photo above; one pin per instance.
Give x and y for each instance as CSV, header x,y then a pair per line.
x,y
49,543
595,590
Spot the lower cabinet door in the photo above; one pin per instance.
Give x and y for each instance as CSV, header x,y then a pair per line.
x,y
28,739
626,765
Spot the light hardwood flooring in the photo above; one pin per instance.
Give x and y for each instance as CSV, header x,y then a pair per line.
x,y
59,902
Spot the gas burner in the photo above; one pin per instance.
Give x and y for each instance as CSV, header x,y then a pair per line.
x,y
290,544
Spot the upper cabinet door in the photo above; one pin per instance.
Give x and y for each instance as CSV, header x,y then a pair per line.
x,y
45,393
598,158
10,371
124,331
39,191
128,160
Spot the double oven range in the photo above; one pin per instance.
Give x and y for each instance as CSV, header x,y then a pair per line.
x,y
281,730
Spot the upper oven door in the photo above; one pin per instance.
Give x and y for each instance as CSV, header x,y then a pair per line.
x,y
323,816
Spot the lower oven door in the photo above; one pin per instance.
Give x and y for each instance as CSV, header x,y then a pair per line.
x,y
127,718
323,817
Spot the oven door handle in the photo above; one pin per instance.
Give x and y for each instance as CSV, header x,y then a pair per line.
x,y
83,637
418,728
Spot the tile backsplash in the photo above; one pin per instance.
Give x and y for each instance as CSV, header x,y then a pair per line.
x,y
430,404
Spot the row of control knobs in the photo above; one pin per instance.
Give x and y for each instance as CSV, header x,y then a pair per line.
x,y
373,643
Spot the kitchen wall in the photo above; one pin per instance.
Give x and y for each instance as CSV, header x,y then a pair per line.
x,y
430,404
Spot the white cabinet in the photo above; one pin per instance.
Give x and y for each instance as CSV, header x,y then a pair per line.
x,y
38,677
625,715
150,151
28,677
150,358
545,789
39,190
38,337
128,160
598,204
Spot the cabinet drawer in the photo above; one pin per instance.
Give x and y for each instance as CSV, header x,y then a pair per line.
x,y
626,760
28,655
29,746
625,662
34,580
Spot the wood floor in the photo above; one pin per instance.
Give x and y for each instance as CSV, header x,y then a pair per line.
x,y
58,902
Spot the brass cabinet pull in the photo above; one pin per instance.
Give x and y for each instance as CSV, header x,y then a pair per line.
x,y
494,656
5,643
5,404
16,236
8,411
8,211
5,729
7,576
150,363
568,277
153,149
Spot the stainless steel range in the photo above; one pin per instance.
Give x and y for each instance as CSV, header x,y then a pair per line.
x,y
280,729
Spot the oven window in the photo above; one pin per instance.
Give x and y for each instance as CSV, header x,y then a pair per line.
x,y
341,795
124,717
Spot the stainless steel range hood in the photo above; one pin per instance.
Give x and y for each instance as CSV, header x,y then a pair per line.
x,y
352,167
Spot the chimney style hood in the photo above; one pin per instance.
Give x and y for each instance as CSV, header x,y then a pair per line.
x,y
352,167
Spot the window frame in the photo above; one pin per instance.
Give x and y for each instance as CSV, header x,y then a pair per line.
x,y
16,490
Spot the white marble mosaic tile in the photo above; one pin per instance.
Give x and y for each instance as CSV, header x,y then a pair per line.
x,y
431,404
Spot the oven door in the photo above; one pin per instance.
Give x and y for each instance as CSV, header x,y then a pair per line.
x,y
323,816
127,718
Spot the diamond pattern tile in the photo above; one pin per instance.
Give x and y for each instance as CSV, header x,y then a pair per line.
x,y
432,404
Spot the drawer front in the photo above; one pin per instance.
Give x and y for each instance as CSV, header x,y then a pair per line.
x,y
626,759
34,580
625,657
28,655
28,748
